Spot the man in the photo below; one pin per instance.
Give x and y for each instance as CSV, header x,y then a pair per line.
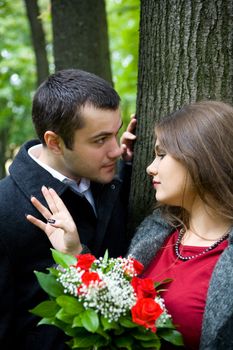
x,y
77,119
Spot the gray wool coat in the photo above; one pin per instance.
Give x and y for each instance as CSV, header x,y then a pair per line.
x,y
217,327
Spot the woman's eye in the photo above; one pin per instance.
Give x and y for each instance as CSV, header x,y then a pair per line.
x,y
161,155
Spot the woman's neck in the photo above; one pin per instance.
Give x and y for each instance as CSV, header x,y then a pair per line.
x,y
205,225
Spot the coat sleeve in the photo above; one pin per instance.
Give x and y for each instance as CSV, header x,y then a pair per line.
x,y
7,298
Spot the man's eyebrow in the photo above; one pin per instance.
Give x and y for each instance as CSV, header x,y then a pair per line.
x,y
105,133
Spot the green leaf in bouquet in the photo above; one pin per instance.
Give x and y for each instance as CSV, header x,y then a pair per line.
x,y
154,344
144,334
53,271
172,336
64,317
88,342
90,320
65,260
46,321
69,330
46,309
77,321
74,332
127,323
105,258
125,342
60,324
119,331
49,283
166,280
160,323
104,334
108,325
70,304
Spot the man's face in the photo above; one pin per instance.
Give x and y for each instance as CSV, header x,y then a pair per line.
x,y
95,148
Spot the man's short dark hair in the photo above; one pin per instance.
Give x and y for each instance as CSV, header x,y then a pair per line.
x,y
58,101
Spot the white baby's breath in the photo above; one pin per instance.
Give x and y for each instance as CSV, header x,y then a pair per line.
x,y
112,296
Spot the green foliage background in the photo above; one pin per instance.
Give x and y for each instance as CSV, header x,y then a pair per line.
x,y
17,62
17,72
123,27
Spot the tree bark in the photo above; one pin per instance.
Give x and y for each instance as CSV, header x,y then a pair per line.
x,y
38,40
185,55
80,36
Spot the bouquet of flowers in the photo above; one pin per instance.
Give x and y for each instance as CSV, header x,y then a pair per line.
x,y
103,304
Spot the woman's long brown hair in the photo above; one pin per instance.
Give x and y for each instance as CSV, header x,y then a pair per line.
x,y
200,136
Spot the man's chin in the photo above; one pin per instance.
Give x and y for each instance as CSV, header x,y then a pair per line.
x,y
105,179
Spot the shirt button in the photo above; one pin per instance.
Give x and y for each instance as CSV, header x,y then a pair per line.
x,y
113,187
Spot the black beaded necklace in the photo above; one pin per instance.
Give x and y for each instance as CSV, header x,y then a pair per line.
x,y
186,258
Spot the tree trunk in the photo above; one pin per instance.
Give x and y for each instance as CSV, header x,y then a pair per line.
x,y
38,40
80,36
186,54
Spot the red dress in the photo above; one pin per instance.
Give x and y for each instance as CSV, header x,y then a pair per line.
x,y
186,294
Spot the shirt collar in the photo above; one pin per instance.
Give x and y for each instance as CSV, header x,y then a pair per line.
x,y
34,153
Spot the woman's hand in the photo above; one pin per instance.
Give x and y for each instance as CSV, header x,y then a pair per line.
x,y
59,226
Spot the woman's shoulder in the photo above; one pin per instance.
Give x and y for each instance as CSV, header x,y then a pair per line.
x,y
149,236
155,220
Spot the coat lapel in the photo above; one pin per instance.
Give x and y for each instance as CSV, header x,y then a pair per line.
x,y
105,198
219,304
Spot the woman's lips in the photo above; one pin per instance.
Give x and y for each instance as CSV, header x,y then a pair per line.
x,y
155,183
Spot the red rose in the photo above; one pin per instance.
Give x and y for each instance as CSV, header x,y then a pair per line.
x,y
84,261
89,277
144,287
145,312
138,267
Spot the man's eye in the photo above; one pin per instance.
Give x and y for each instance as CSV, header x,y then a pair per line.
x,y
100,141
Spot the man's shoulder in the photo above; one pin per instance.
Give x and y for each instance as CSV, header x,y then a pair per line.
x,y
5,183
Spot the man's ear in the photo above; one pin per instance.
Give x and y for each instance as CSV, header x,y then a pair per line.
x,y
53,142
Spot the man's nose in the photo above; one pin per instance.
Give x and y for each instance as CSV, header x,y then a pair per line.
x,y
115,149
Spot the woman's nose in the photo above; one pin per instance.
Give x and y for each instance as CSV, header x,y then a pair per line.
x,y
152,169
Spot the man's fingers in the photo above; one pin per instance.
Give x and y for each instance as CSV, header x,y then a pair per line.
x,y
132,124
128,136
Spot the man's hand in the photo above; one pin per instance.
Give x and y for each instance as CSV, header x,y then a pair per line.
x,y
127,140
59,226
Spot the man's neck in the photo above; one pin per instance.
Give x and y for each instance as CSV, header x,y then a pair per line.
x,y
50,162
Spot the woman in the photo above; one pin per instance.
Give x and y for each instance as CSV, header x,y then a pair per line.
x,y
189,238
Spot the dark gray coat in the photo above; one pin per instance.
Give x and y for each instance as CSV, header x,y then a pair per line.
x,y
25,248
217,328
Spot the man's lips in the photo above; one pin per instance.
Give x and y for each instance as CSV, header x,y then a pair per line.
x,y
110,165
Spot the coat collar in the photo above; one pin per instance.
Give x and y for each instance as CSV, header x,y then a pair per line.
x,y
219,303
30,176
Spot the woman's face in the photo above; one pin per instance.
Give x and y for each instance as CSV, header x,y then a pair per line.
x,y
171,180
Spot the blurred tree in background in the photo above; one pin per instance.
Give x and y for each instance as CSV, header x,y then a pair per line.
x,y
20,62
38,40
80,36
